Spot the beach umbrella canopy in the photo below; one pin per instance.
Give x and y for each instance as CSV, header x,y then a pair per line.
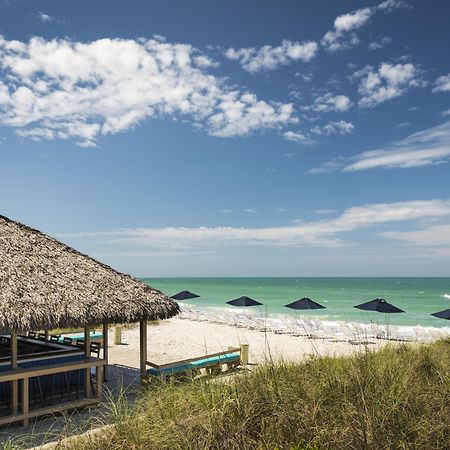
x,y
184,295
244,301
379,305
442,314
304,303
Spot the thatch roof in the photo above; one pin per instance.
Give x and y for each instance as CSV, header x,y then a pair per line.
x,y
45,284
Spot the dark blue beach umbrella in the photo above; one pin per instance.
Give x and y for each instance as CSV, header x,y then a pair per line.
x,y
184,295
379,305
304,303
442,314
244,301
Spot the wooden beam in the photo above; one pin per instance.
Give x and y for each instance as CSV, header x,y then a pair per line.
x,y
87,354
105,351
14,383
19,374
143,348
48,410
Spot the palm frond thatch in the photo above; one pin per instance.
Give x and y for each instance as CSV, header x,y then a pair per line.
x,y
45,284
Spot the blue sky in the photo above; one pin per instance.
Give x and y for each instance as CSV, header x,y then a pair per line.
x,y
257,138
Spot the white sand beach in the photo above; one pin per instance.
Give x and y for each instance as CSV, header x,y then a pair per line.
x,y
175,339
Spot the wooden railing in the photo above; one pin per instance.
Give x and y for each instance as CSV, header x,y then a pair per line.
x,y
22,377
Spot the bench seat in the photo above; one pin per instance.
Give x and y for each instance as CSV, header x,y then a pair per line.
x,y
186,366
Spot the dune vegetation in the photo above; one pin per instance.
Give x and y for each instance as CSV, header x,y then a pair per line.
x,y
395,398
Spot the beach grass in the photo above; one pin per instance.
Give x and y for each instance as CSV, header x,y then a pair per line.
x,y
394,398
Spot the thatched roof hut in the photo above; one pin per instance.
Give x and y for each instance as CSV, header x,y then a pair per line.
x,y
45,284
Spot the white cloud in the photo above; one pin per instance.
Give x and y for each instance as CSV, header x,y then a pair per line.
x,y
423,148
445,113
321,233
61,89
379,45
442,84
44,17
270,58
387,82
297,136
324,211
329,102
434,235
343,35
334,127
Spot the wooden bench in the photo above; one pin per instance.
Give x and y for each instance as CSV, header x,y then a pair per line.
x,y
211,362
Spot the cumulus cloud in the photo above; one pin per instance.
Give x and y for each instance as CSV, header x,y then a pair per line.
x,y
61,89
321,233
388,81
343,35
334,127
270,58
442,84
329,102
423,148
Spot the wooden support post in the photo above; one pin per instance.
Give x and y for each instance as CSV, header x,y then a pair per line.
x,y
244,354
143,348
98,380
117,335
25,400
105,350
87,355
14,383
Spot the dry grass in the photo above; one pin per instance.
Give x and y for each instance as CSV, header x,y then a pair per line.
x,y
396,398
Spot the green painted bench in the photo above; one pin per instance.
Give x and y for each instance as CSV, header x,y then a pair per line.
x,y
230,357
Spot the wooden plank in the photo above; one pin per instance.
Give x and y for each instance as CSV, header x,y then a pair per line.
x,y
18,374
105,351
25,400
48,410
197,358
143,348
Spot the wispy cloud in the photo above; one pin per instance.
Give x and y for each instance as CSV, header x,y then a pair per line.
x,y
423,148
386,40
320,233
268,58
388,81
431,236
344,34
46,18
62,89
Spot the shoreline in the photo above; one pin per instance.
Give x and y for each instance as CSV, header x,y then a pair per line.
x,y
313,326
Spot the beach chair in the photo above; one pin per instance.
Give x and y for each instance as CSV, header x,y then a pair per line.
x,y
67,340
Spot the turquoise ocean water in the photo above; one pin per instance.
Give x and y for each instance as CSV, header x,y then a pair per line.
x,y
419,297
